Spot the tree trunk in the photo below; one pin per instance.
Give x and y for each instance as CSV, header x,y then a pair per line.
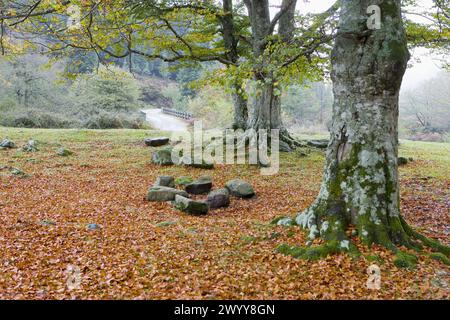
x,y
240,116
265,103
360,185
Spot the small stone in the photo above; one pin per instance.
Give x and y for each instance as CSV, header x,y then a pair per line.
x,y
47,223
17,172
240,188
156,142
218,198
7,144
165,223
63,152
200,186
93,226
162,157
31,146
191,206
161,194
165,181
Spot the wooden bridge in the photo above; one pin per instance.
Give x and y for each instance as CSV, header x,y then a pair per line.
x,y
178,114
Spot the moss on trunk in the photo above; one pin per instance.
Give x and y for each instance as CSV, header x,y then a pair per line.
x,y
360,187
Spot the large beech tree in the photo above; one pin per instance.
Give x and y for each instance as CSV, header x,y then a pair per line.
x,y
360,185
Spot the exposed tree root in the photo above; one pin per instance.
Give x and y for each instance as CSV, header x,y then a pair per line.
x,y
333,233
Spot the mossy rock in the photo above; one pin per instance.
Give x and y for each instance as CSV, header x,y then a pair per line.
x,y
31,146
190,206
240,188
162,194
162,157
165,181
405,260
7,144
63,152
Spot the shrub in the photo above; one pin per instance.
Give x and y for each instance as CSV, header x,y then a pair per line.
x,y
35,118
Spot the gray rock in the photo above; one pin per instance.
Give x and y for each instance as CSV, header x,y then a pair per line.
x,y
31,146
63,152
165,181
162,157
218,198
240,188
200,186
7,144
190,206
162,194
156,142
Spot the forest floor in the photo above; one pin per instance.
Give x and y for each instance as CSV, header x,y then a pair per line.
x,y
144,250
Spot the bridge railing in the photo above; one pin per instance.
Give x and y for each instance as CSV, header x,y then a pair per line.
x,y
179,114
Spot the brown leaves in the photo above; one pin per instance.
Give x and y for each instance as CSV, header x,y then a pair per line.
x,y
228,254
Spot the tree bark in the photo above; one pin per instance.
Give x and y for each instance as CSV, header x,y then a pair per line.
x,y
360,185
240,116
265,102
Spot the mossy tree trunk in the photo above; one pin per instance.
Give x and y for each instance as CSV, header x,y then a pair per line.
x,y
360,185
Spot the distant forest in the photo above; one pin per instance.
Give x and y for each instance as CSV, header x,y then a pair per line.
x,y
78,92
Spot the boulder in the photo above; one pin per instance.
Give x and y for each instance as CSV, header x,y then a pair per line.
x,y
190,206
156,142
162,194
165,181
218,198
200,186
7,144
162,157
240,188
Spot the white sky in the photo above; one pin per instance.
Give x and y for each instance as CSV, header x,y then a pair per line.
x,y
428,66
